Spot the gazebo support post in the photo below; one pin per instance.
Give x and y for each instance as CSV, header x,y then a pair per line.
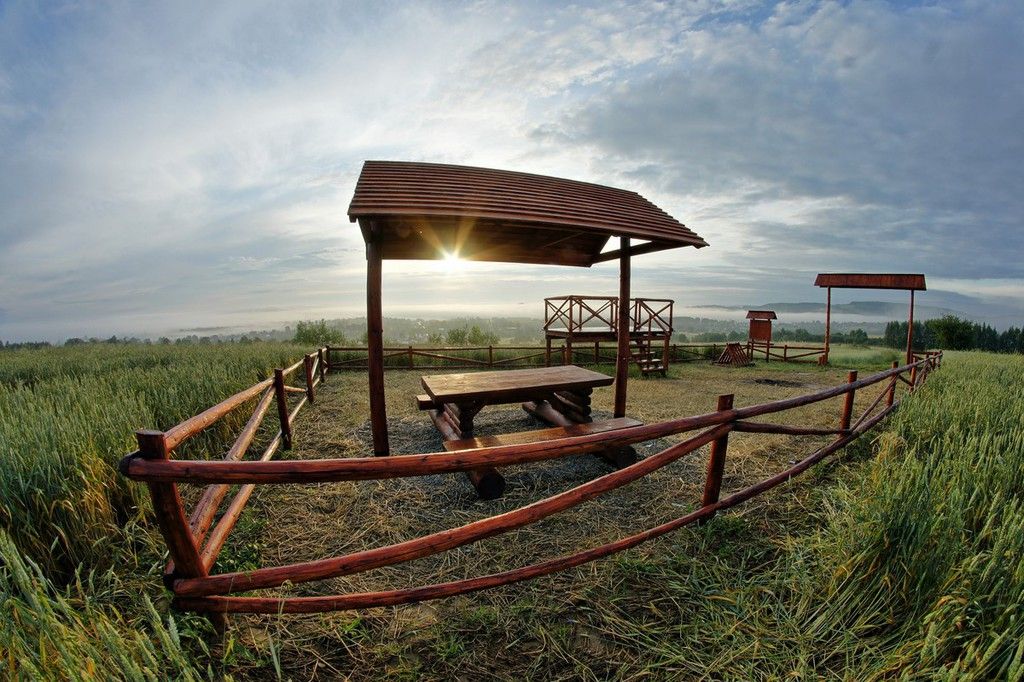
x,y
828,321
375,347
910,330
622,354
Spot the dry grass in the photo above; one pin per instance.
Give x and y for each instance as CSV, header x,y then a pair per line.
x,y
532,629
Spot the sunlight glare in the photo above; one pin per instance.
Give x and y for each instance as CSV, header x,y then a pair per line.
x,y
452,262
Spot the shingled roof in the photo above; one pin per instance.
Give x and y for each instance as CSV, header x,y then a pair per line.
x,y
430,211
870,280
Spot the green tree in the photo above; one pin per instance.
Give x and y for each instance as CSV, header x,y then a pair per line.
x,y
478,337
457,336
318,333
952,333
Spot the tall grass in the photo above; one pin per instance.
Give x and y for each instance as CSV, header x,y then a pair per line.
x,y
907,562
927,551
48,633
67,415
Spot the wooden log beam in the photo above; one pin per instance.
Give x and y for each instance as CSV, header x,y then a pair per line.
x,y
282,408
435,543
716,461
375,347
622,358
206,508
193,425
423,464
274,605
844,419
308,368
170,518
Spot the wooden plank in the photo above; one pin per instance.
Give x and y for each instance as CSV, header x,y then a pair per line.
x,y
542,434
510,385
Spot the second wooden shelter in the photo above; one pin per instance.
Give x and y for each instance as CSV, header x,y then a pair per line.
x,y
869,280
428,211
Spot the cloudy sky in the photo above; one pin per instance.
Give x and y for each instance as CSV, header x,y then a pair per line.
x,y
166,166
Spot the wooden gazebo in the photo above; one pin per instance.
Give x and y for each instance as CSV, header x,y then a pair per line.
x,y
866,280
427,211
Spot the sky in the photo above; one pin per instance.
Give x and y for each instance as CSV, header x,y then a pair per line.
x,y
173,166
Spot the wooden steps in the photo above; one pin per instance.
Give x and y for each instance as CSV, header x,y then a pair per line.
x,y
643,356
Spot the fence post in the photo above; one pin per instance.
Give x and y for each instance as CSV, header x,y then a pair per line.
x,y
716,462
785,352
282,408
323,367
411,365
327,357
490,355
891,398
307,366
913,377
170,517
597,352
844,420
547,351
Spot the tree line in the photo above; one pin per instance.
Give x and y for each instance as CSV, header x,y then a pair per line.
x,y
953,333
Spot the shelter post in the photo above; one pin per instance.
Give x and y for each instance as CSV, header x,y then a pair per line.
x,y
375,347
910,330
828,320
622,352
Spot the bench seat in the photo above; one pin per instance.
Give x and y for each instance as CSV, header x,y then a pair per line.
x,y
554,433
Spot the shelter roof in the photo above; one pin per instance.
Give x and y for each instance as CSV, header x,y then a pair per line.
x,y
430,211
864,280
761,315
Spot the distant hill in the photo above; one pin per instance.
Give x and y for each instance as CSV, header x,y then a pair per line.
x,y
876,309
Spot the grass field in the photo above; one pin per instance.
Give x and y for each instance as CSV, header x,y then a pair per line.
x,y
910,563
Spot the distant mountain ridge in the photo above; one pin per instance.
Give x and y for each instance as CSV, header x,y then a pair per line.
x,y
896,311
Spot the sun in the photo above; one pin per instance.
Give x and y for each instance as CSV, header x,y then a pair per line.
x,y
452,262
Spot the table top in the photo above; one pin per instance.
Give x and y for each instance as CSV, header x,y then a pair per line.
x,y
511,384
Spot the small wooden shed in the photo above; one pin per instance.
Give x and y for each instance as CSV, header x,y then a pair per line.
x,y
761,325
760,334
426,211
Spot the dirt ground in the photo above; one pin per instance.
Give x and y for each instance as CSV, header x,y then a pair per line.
x,y
291,523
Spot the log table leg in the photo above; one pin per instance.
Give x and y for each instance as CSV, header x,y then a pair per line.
x,y
489,484
563,408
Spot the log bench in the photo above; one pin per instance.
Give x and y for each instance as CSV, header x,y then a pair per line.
x,y
492,485
523,437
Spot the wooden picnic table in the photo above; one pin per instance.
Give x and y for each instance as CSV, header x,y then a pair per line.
x,y
463,395
558,395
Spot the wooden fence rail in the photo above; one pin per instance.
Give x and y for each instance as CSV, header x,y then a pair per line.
x,y
580,353
194,546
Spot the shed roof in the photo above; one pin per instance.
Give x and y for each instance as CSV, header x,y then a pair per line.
x,y
761,315
864,280
431,210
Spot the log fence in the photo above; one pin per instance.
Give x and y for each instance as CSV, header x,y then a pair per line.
x,y
503,357
580,353
194,546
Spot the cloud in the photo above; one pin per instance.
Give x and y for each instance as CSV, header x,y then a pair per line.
x,y
175,165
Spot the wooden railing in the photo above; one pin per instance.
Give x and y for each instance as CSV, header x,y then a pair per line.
x,y
503,357
196,588
784,352
576,314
